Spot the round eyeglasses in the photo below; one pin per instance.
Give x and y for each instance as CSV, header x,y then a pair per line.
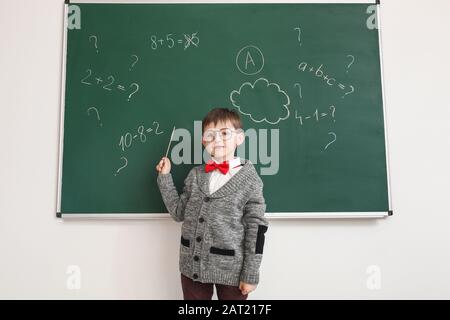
x,y
224,133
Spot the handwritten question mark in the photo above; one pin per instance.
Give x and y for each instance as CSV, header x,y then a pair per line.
x,y
334,135
126,163
98,117
299,89
132,65
299,34
332,112
353,60
353,90
95,41
137,89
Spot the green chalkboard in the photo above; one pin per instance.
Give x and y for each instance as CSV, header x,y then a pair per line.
x,y
305,78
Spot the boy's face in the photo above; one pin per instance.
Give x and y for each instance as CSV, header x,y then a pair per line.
x,y
221,140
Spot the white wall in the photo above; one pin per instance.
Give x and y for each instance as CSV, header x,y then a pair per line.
x,y
303,258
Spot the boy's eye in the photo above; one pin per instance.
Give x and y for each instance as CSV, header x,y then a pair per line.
x,y
209,135
225,134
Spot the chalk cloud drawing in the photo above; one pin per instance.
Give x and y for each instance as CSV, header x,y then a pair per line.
x,y
261,101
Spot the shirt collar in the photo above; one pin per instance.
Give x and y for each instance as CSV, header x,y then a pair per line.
x,y
233,162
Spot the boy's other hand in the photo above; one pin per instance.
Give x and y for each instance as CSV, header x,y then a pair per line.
x,y
246,288
163,166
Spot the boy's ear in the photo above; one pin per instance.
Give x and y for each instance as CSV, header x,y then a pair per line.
x,y
240,137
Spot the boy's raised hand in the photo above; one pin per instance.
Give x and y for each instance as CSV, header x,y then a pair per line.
x,y
163,166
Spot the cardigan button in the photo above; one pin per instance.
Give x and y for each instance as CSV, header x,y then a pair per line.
x,y
195,276
206,199
201,220
196,258
198,239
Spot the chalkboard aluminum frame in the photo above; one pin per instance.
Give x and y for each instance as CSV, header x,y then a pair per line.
x,y
269,215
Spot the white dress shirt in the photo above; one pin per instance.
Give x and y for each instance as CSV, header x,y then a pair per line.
x,y
218,179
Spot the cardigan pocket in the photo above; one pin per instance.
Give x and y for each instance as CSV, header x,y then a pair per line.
x,y
223,259
185,249
185,255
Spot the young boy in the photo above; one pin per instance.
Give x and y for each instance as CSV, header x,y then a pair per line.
x,y
222,208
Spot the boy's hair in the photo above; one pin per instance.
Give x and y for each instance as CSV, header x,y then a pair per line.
x,y
222,115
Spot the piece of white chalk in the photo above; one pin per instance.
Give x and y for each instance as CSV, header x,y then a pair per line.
x,y
170,141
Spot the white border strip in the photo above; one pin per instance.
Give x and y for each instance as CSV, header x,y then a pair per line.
x,y
384,108
62,108
226,2
269,215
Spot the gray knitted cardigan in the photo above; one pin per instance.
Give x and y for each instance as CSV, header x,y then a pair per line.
x,y
222,235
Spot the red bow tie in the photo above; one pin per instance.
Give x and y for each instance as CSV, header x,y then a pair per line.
x,y
223,167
